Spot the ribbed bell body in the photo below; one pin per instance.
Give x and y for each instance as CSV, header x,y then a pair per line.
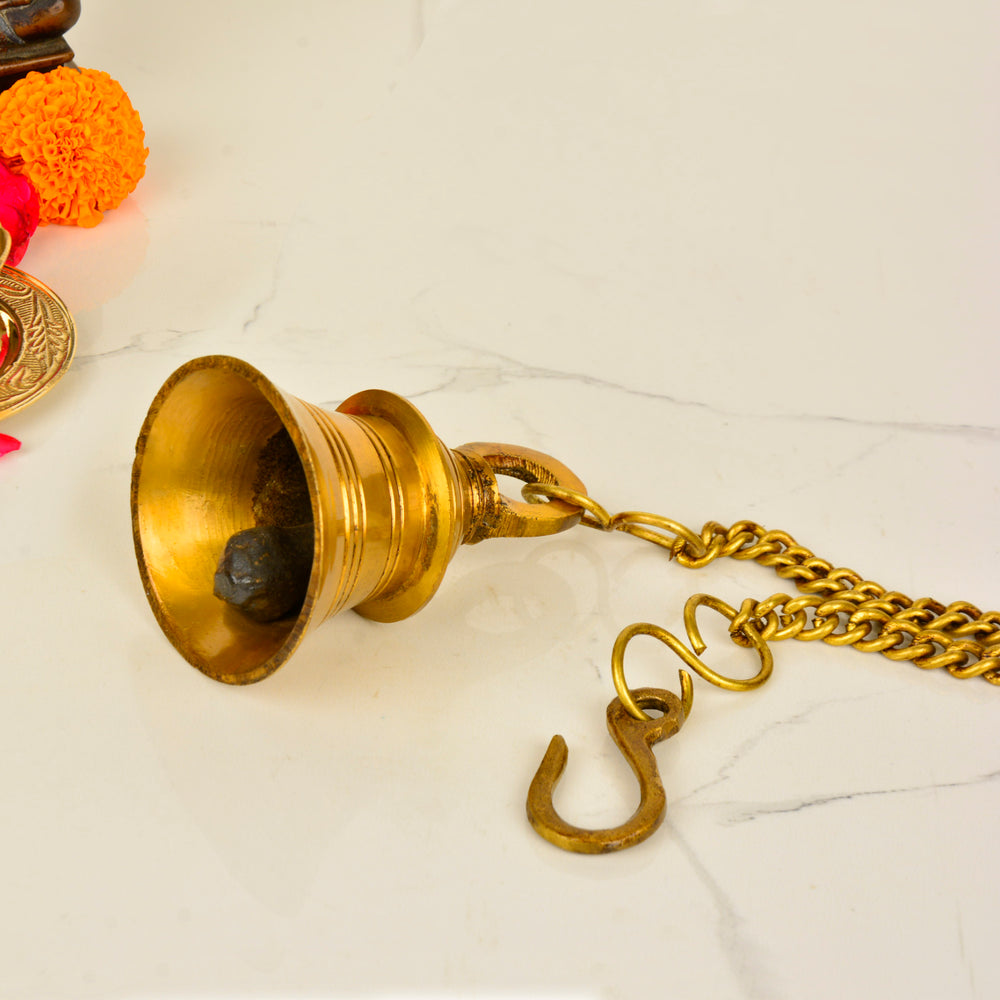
x,y
389,505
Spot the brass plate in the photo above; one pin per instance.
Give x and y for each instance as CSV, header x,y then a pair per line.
x,y
42,339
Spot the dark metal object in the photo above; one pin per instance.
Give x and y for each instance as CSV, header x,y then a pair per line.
x,y
31,36
265,571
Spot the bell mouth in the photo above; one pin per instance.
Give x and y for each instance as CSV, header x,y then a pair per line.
x,y
201,475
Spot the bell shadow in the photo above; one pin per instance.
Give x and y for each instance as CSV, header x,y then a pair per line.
x,y
486,614
259,768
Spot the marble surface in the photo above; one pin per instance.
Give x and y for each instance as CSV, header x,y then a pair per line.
x,y
725,260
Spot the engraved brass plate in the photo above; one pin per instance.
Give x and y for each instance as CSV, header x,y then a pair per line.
x,y
42,338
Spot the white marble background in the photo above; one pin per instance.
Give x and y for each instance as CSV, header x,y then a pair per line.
x,y
725,260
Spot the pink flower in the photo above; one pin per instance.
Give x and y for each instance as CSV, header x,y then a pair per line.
x,y
8,443
18,211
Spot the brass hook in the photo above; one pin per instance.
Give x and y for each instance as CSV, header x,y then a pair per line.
x,y
635,739
742,632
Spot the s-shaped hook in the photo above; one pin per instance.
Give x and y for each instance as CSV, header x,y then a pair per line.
x,y
635,738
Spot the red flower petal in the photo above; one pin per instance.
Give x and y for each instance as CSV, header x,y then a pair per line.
x,y
18,211
7,444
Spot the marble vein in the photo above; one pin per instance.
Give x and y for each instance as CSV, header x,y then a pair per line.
x,y
731,933
268,297
148,341
418,28
506,369
752,742
743,814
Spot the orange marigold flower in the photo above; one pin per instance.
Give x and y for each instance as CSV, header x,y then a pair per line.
x,y
75,135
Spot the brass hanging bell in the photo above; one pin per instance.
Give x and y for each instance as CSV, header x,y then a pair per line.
x,y
223,450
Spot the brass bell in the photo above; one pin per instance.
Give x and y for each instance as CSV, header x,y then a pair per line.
x,y
223,450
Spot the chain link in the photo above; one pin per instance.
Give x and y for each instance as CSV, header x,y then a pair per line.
x,y
837,605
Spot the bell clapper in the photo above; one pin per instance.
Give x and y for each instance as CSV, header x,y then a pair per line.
x,y
264,572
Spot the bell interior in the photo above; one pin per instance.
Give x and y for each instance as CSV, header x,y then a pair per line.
x,y
197,481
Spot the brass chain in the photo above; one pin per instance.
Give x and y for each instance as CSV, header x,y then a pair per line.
x,y
837,605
